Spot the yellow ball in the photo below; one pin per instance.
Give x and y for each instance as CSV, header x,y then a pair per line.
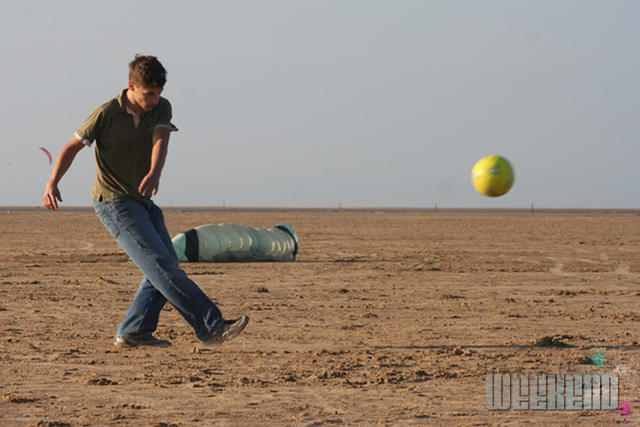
x,y
492,176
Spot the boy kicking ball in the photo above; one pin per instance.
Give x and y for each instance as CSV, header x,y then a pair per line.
x,y
131,132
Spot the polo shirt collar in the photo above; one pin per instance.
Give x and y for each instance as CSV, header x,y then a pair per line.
x,y
122,103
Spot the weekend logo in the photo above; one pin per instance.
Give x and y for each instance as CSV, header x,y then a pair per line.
x,y
548,392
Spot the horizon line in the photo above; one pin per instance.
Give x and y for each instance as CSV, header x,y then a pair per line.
x,y
396,209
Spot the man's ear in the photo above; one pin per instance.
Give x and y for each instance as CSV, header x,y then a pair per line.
x,y
131,86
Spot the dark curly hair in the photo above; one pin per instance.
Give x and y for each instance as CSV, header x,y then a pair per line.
x,y
147,71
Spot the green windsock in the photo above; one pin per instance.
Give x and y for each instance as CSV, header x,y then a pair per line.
x,y
234,242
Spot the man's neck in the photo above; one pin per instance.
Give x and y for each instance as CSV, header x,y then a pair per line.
x,y
133,105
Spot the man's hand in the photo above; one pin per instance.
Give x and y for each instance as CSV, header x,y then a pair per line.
x,y
149,185
51,196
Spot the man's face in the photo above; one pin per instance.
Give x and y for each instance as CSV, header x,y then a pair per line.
x,y
145,97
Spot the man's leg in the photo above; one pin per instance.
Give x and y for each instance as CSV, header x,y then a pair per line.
x,y
132,226
143,314
142,317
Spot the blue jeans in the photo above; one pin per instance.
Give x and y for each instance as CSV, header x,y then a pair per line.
x,y
141,232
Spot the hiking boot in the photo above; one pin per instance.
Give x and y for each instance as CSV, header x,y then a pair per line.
x,y
140,341
229,330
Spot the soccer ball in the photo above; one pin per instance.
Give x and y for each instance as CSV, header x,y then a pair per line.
x,y
492,176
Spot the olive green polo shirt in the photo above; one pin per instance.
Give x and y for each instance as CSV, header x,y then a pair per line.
x,y
123,148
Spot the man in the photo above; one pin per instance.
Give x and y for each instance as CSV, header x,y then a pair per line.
x,y
131,132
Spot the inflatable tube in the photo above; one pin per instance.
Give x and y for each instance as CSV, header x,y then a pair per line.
x,y
234,242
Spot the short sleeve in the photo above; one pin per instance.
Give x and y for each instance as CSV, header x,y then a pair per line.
x,y
91,127
164,115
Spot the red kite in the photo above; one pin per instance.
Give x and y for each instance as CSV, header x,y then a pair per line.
x,y
47,153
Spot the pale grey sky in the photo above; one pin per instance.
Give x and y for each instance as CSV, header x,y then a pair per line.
x,y
351,102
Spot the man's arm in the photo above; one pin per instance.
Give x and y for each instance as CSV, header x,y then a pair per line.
x,y
68,153
149,184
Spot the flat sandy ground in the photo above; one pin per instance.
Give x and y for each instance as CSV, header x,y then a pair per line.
x,y
389,317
